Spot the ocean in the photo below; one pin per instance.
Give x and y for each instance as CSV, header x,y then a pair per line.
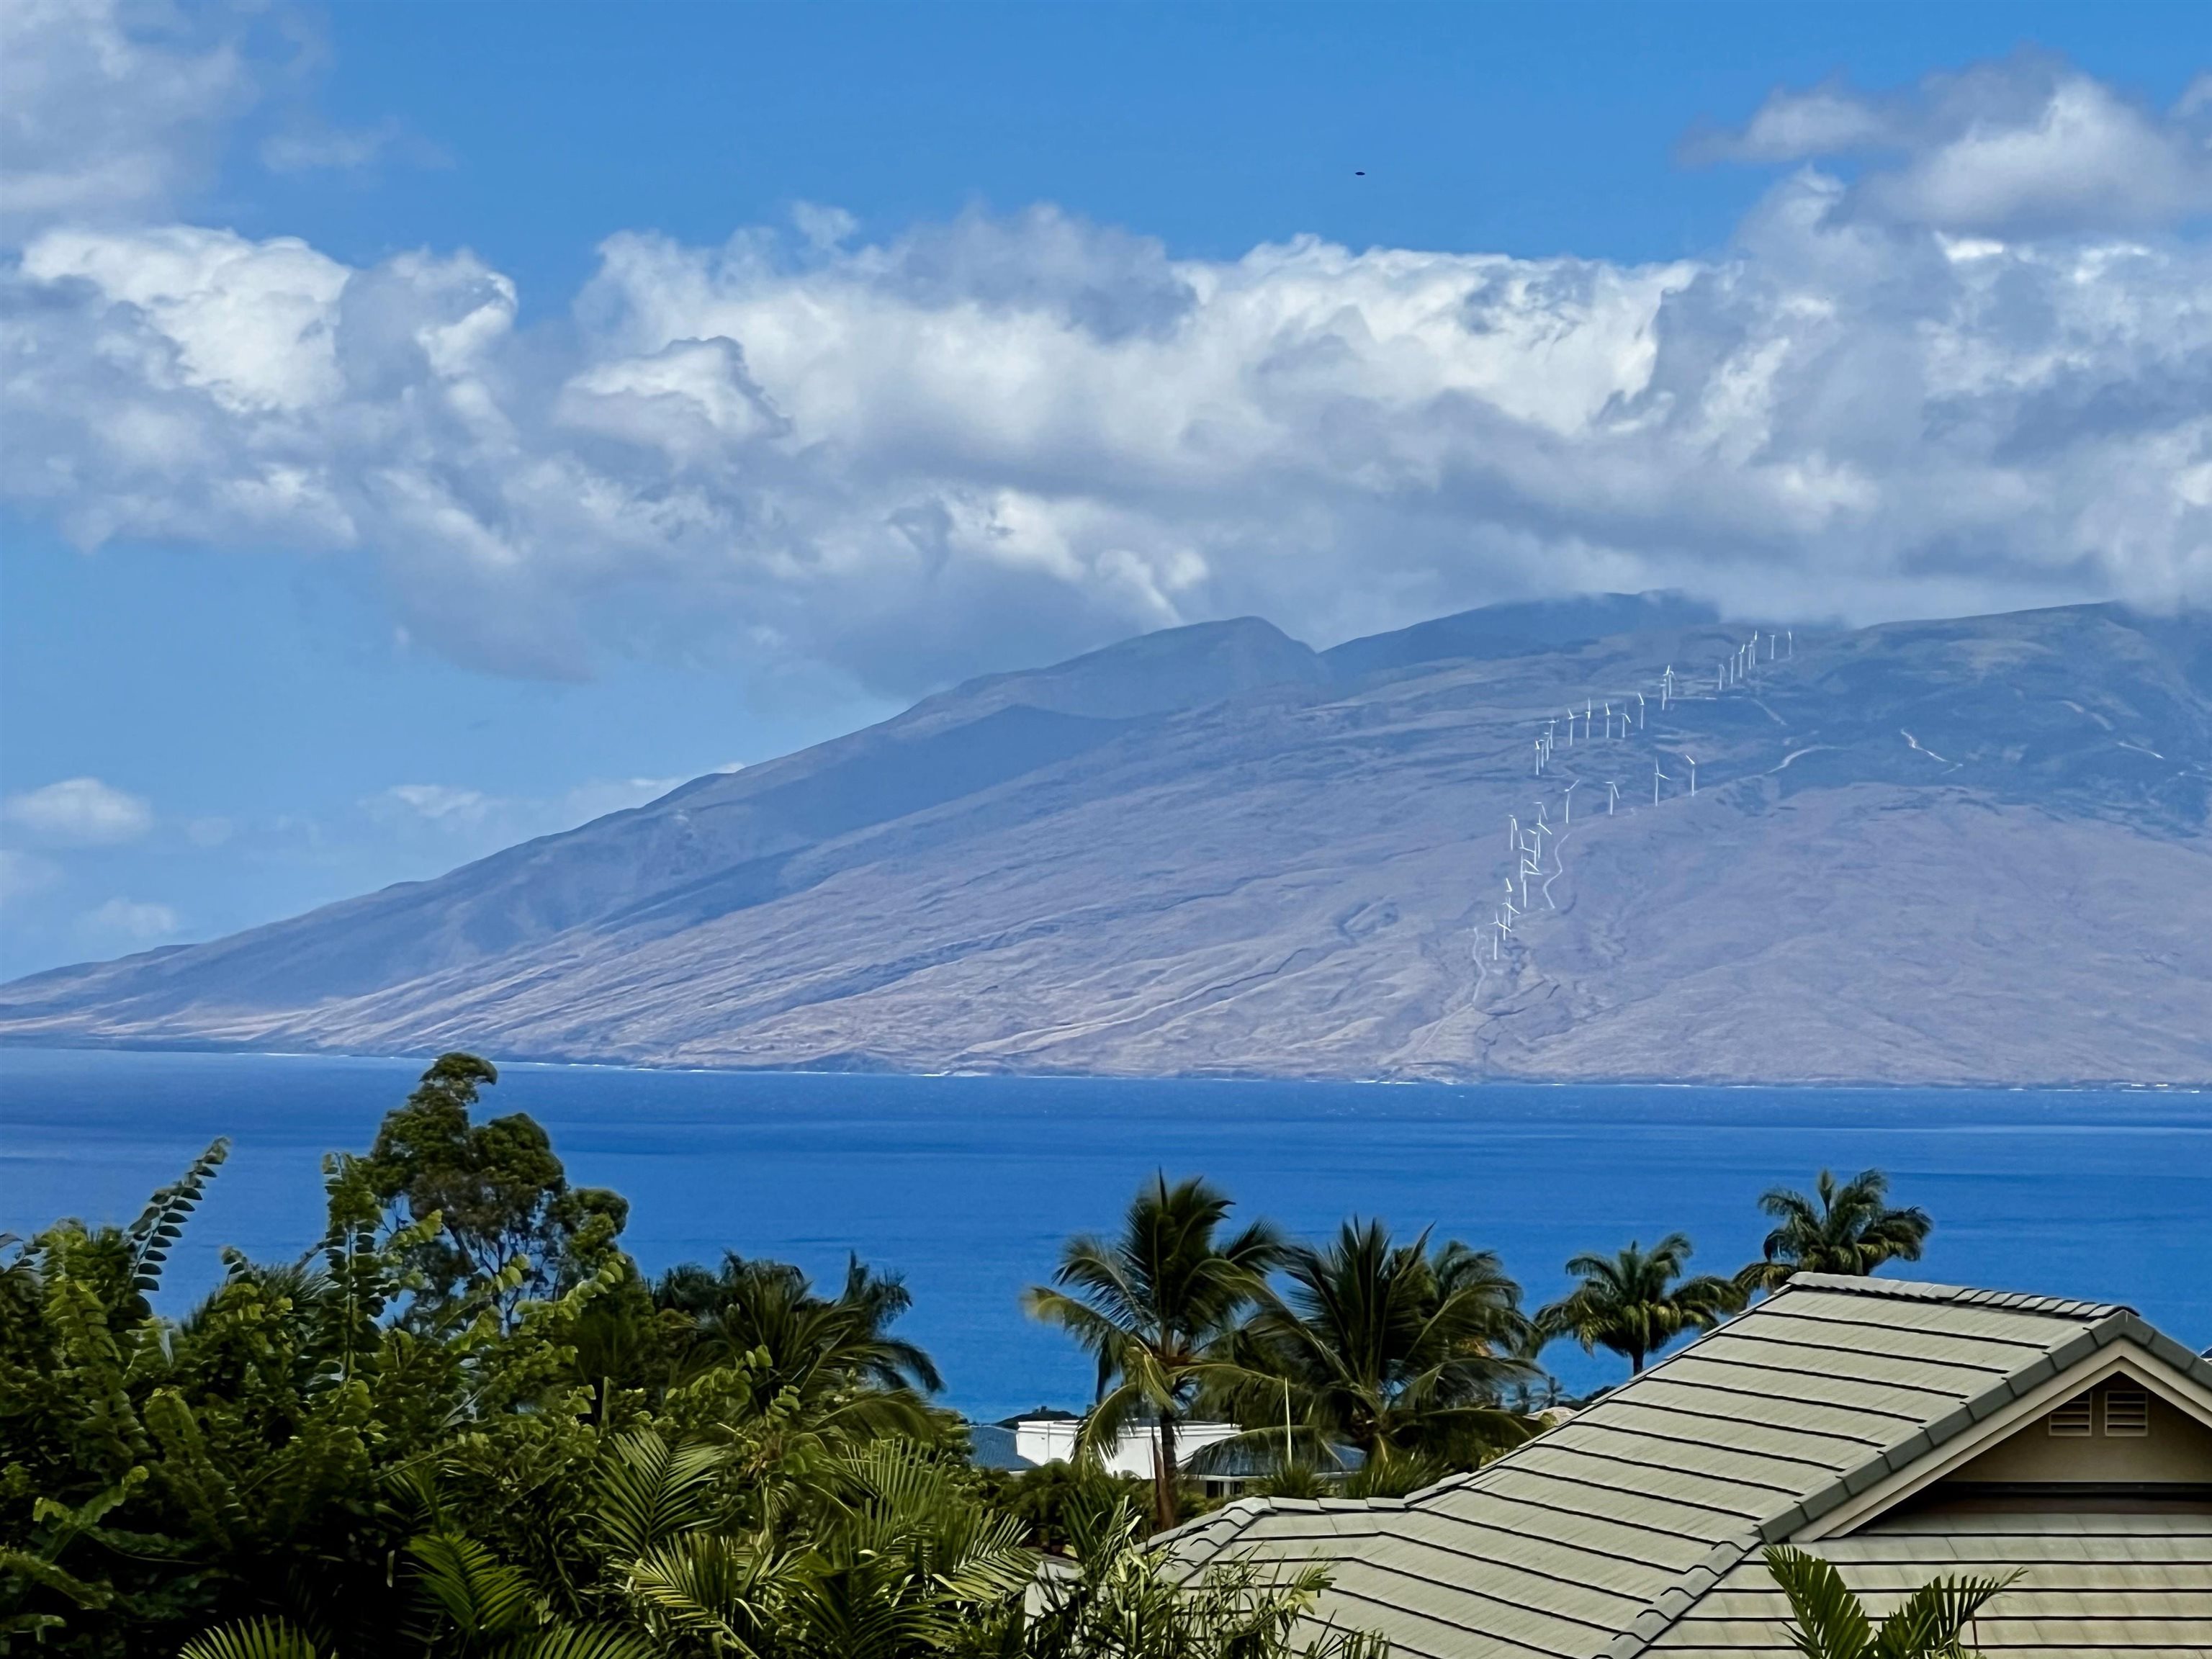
x,y
968,1185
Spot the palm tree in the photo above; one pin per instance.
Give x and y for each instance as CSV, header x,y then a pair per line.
x,y
1155,1307
1394,1349
832,1354
1633,1304
1831,1622
1846,1227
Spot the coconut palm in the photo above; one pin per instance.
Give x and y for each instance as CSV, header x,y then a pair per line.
x,y
1636,1303
1396,1350
1829,1622
1845,1227
832,1355
1155,1307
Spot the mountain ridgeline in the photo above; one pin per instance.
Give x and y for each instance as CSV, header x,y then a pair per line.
x,y
1970,851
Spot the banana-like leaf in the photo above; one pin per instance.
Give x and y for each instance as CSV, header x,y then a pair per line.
x,y
252,1638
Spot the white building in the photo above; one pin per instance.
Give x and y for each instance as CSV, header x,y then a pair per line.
x,y
1042,1440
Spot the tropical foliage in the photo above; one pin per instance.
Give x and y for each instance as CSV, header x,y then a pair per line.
x,y
1635,1303
464,1424
1157,1308
1401,1354
1843,1227
1829,1622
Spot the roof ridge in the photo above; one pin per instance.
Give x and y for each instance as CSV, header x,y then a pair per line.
x,y
1964,1296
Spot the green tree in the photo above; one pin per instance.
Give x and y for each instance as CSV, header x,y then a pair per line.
x,y
1156,1307
1843,1227
835,1356
1636,1303
507,1216
1395,1350
1829,1622
1125,1601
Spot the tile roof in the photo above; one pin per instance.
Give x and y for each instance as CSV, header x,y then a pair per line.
x,y
1600,1536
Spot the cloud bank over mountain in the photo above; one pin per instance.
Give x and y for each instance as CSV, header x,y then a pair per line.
x,y
1959,359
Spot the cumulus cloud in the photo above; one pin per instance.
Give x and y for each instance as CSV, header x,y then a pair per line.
x,y
2029,146
110,109
80,812
128,919
1946,383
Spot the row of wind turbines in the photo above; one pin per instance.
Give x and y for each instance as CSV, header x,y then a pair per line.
x,y
1597,719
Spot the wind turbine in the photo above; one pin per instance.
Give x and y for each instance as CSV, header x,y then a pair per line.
x,y
1571,787
1693,776
1612,796
1539,757
1639,712
1657,778
1667,687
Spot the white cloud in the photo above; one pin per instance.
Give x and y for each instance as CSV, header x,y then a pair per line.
x,y
129,920
2028,146
110,109
1940,386
22,874
80,812
436,803
308,145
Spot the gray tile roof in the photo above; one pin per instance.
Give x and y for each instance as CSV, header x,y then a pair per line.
x,y
2135,1584
1600,1537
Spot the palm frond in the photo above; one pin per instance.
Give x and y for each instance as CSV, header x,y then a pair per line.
x,y
648,1490
252,1638
1931,1623
483,1597
582,1642
1829,1621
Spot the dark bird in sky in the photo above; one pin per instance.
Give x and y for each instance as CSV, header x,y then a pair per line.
x,y
1359,172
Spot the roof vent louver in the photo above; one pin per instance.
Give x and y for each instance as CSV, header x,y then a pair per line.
x,y
2071,1421
2127,1412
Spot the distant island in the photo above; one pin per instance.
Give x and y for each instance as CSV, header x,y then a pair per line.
x,y
1975,851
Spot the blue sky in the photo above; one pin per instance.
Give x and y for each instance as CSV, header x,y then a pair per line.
x,y
429,426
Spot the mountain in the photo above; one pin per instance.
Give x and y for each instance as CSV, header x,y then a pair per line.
x,y
1976,850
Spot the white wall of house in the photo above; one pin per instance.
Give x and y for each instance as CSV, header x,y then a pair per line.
x,y
1043,1440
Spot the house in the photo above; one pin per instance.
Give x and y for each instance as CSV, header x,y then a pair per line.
x,y
1049,1437
1900,1431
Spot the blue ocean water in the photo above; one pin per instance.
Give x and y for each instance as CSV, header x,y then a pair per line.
x,y
968,1185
